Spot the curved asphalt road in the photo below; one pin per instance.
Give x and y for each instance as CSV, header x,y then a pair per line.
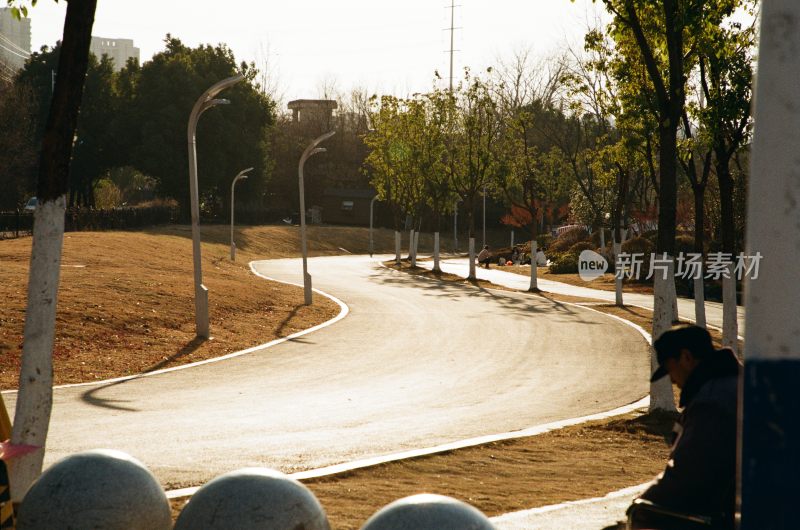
x,y
416,363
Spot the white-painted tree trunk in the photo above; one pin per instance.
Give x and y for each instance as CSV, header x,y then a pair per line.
x,y
617,248
416,246
730,326
699,302
397,247
471,258
436,252
661,397
534,286
512,239
410,244
35,397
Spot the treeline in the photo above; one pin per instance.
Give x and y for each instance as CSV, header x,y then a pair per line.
x,y
131,141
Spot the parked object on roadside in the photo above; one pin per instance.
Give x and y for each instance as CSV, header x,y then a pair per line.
x,y
541,259
697,488
32,203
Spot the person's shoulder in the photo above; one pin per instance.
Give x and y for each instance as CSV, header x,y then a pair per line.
x,y
720,392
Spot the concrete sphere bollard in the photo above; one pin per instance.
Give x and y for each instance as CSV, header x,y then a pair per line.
x,y
251,499
96,489
428,512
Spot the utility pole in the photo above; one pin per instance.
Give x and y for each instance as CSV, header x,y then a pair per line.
x,y
452,29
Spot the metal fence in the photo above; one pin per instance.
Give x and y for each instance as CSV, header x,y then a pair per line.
x,y
20,222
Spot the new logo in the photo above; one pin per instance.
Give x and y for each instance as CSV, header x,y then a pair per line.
x,y
591,265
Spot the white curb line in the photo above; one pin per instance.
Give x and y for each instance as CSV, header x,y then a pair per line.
x,y
344,310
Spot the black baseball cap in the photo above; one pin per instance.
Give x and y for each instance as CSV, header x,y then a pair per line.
x,y
684,336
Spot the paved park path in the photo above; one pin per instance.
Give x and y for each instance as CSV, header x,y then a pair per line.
x,y
460,266
415,363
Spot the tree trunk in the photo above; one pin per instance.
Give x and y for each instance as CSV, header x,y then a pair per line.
x,y
730,326
617,248
397,247
416,248
661,397
35,396
411,245
699,240
471,221
534,287
436,252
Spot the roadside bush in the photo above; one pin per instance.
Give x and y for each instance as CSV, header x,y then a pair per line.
x,y
580,246
640,245
564,263
651,235
543,241
595,238
569,238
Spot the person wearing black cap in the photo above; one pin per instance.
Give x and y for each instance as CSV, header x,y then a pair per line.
x,y
700,476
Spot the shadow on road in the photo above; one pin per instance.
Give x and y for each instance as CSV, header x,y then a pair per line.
x,y
91,397
511,302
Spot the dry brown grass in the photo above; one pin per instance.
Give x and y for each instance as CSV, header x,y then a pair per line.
x,y
569,464
497,478
126,302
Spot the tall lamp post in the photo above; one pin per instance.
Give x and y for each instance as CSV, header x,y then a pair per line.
x,y
371,205
241,175
203,103
311,150
484,216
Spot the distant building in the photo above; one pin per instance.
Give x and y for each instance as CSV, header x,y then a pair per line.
x,y
347,206
15,42
118,50
313,114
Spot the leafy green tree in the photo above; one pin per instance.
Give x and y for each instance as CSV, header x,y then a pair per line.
x,y
18,111
391,160
229,138
472,140
96,147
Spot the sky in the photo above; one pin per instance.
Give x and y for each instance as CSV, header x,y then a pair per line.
x,y
383,46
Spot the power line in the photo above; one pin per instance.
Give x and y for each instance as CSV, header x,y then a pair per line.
x,y
9,50
14,44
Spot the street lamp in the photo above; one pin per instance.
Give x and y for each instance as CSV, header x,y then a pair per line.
x,y
371,204
484,216
203,103
311,150
241,175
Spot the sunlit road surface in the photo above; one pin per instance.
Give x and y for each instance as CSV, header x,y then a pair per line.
x,y
416,363
495,274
